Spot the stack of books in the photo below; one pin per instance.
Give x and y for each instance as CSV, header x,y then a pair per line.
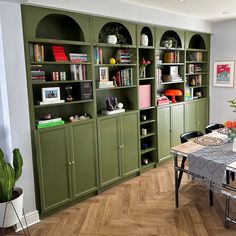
x,y
37,73
49,123
123,56
78,57
59,53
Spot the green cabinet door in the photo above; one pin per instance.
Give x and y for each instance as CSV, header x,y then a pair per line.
x,y
109,149
177,118
83,151
196,115
163,130
190,116
53,165
129,146
202,114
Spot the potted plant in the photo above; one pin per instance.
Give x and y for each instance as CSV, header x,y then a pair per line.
x,y
9,195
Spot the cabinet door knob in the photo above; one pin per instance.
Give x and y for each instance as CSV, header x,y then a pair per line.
x,y
120,146
123,145
73,162
69,163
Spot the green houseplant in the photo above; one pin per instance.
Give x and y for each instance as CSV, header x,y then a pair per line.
x,y
8,193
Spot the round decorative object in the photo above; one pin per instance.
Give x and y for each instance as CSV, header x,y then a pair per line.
x,y
144,40
223,131
120,105
112,61
111,39
208,141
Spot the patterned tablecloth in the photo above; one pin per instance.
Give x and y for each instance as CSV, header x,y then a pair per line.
x,y
208,164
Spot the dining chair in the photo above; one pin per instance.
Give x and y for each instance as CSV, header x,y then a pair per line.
x,y
229,194
185,137
209,128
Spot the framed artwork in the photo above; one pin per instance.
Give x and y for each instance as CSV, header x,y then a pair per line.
x,y
51,94
103,74
223,74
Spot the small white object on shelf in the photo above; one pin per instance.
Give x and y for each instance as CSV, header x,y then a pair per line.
x,y
116,111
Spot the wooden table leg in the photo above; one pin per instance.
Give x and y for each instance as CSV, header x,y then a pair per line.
x,y
176,180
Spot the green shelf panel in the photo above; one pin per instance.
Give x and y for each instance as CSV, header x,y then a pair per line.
x,y
149,165
172,82
147,122
198,62
171,64
114,65
112,88
59,63
62,104
58,42
147,135
171,49
113,45
148,150
35,82
147,78
147,108
196,50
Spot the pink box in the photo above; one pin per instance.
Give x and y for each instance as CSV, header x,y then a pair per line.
x,y
144,96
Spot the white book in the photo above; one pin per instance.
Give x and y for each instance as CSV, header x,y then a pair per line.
x,y
51,102
49,120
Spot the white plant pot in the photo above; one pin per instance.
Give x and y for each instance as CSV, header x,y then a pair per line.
x,y
144,40
11,218
111,39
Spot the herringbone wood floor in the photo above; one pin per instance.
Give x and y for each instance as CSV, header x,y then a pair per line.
x,y
142,206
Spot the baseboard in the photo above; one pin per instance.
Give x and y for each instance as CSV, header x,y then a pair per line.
x,y
31,218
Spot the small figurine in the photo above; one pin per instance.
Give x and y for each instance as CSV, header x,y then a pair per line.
x,y
111,103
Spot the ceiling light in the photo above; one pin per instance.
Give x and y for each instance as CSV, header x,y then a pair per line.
x,y
181,0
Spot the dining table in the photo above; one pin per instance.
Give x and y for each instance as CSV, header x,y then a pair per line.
x,y
211,161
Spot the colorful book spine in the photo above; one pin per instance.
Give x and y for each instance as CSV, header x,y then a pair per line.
x,y
50,124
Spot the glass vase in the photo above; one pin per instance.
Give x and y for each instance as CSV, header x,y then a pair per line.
x,y
142,72
231,134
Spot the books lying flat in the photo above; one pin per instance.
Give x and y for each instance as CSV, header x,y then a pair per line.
x,y
50,102
113,112
50,124
105,84
49,120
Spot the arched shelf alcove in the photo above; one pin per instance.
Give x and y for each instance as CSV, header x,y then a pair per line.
x,y
118,29
146,30
197,42
171,35
61,27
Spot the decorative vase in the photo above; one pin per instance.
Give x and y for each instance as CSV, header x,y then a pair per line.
x,y
111,39
144,40
231,134
234,145
142,72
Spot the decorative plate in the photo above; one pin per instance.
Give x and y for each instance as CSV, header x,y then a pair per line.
x,y
208,141
223,131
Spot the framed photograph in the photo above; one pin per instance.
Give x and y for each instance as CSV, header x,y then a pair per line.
x,y
51,94
223,74
103,74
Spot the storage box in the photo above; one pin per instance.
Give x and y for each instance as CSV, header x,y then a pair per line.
x,y
144,96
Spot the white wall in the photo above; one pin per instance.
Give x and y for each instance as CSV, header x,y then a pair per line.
x,y
124,10
14,100
223,47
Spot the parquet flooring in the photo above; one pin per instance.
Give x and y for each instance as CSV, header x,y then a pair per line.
x,y
142,206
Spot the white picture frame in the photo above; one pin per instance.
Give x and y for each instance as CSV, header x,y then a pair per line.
x,y
51,94
223,74
103,74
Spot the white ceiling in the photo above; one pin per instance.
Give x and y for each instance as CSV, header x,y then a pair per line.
x,y
211,10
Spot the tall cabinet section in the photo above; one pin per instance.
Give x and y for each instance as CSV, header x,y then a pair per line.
x,y
108,98
60,82
147,95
